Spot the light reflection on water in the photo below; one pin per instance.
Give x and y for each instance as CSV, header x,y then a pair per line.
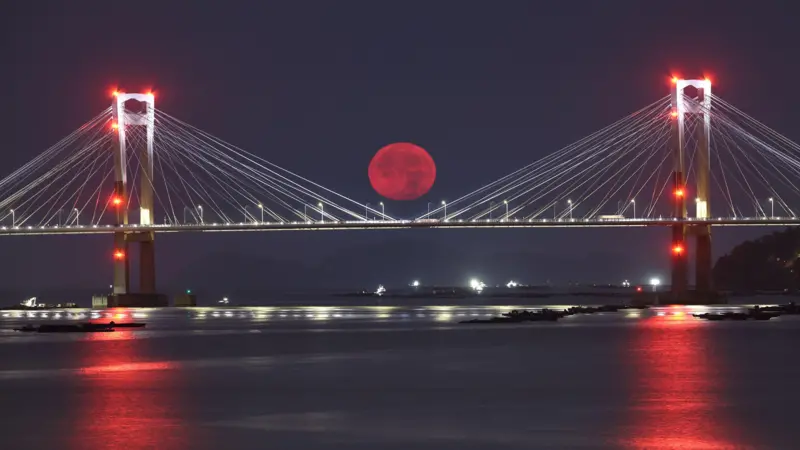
x,y
677,384
382,367
126,403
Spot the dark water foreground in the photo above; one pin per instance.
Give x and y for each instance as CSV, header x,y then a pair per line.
x,y
400,378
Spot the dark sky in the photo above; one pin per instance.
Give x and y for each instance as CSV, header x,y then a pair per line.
x,y
318,86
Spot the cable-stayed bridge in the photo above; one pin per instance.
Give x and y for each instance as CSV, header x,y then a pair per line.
x,y
134,170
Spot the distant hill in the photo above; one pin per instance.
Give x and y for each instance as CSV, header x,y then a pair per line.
x,y
769,262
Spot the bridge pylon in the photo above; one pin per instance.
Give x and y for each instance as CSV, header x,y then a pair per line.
x,y
124,119
700,106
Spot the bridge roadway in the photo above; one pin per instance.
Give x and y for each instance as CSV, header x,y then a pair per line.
x,y
392,225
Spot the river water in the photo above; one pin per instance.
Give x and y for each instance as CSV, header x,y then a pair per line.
x,y
400,377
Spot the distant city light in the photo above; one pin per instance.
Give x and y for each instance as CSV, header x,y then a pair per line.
x,y
512,284
415,283
477,285
655,282
626,283
224,301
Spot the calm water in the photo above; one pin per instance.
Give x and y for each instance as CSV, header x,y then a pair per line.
x,y
400,378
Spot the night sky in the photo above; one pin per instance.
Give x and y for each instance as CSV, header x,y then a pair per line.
x,y
319,86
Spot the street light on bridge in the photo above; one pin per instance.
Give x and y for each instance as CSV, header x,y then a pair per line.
x,y
13,219
200,210
444,203
772,208
261,207
506,203
383,211
569,202
321,212
655,282
633,203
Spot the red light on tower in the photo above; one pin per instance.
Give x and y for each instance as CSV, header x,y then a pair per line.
x,y
119,255
114,126
679,193
116,200
674,80
677,249
674,114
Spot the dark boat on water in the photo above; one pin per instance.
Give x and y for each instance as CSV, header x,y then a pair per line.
x,y
752,314
123,325
789,309
79,328
62,328
517,316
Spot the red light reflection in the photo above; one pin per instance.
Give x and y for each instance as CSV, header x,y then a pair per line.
x,y
124,401
676,381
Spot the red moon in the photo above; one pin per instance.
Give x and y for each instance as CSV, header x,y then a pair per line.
x,y
402,171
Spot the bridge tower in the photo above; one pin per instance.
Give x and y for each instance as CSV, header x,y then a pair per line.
x,y
124,120
683,106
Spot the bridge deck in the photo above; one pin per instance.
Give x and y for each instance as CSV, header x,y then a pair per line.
x,y
393,224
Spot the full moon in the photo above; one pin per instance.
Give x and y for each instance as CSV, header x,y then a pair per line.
x,y
402,171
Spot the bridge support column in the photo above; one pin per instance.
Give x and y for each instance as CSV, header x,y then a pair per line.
x,y
147,266
146,295
680,269
121,266
703,260
679,280
699,106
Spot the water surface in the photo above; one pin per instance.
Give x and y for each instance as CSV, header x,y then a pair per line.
x,y
400,377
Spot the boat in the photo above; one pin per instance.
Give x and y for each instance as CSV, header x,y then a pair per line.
x,y
59,328
755,315
517,316
129,325
708,316
113,324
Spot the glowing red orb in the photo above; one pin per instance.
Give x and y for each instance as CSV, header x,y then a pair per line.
x,y
402,171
